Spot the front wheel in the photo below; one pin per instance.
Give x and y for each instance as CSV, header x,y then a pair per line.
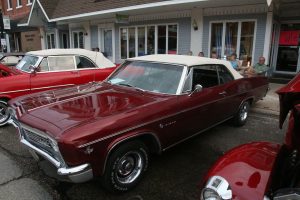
x,y
4,116
126,166
241,116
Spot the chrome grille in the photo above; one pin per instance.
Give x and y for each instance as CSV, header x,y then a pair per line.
x,y
37,139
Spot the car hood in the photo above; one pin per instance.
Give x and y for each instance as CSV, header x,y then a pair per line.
x,y
69,107
247,169
289,96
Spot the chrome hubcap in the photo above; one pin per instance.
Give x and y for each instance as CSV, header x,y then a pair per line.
x,y
3,114
129,167
244,113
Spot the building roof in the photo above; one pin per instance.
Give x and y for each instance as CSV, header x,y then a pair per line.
x,y
187,61
61,8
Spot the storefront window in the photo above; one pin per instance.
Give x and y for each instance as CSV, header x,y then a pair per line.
x,y
172,39
216,38
247,38
162,31
123,43
131,32
237,37
78,40
141,41
231,38
150,40
154,39
50,41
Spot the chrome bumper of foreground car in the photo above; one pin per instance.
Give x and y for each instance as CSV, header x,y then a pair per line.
x,y
76,174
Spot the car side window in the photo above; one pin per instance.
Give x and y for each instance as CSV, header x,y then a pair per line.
x,y
43,66
61,63
205,75
82,62
224,75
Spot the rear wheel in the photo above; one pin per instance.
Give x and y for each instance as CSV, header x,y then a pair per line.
x,y
242,115
4,116
125,167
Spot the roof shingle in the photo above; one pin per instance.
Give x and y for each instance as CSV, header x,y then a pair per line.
x,y
64,8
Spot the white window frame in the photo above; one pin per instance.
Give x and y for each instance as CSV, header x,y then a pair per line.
x,y
9,6
102,27
52,36
29,2
62,41
18,4
146,36
77,31
238,36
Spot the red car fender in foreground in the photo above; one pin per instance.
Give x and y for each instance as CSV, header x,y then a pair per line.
x,y
247,169
261,170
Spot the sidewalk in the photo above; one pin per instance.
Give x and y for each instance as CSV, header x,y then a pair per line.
x,y
270,104
15,184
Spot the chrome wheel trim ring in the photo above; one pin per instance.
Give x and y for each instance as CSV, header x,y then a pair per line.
x,y
244,112
129,167
4,116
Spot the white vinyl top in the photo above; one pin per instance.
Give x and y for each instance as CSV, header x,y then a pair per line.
x,y
187,61
96,57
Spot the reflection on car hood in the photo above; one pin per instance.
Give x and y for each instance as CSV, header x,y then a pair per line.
x,y
73,106
289,95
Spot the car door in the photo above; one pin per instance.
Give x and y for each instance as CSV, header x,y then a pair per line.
x,y
54,72
231,90
88,70
203,109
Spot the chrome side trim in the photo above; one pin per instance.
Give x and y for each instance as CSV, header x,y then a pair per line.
x,y
40,88
12,91
54,86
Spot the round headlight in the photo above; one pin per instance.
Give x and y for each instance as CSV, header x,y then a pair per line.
x,y
216,188
210,194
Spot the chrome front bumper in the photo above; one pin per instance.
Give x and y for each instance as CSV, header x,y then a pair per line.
x,y
77,174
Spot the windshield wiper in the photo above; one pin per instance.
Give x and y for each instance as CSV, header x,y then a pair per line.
x,y
128,85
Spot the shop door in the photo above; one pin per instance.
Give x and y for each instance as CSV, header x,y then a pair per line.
x,y
288,57
106,43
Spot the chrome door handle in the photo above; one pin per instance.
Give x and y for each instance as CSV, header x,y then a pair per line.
x,y
223,93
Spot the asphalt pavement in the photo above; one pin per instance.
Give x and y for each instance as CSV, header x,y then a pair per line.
x,y
21,177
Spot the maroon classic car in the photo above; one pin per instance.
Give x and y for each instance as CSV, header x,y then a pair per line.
x,y
146,106
48,69
262,170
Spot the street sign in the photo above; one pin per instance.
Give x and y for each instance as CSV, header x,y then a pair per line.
x,y
6,22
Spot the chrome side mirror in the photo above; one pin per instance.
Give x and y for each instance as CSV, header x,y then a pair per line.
x,y
198,88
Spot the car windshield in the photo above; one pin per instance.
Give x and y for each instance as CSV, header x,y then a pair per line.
x,y
154,77
26,62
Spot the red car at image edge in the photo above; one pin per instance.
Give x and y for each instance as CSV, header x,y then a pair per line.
x,y
262,170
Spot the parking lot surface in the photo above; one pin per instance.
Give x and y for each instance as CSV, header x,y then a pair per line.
x,y
175,174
